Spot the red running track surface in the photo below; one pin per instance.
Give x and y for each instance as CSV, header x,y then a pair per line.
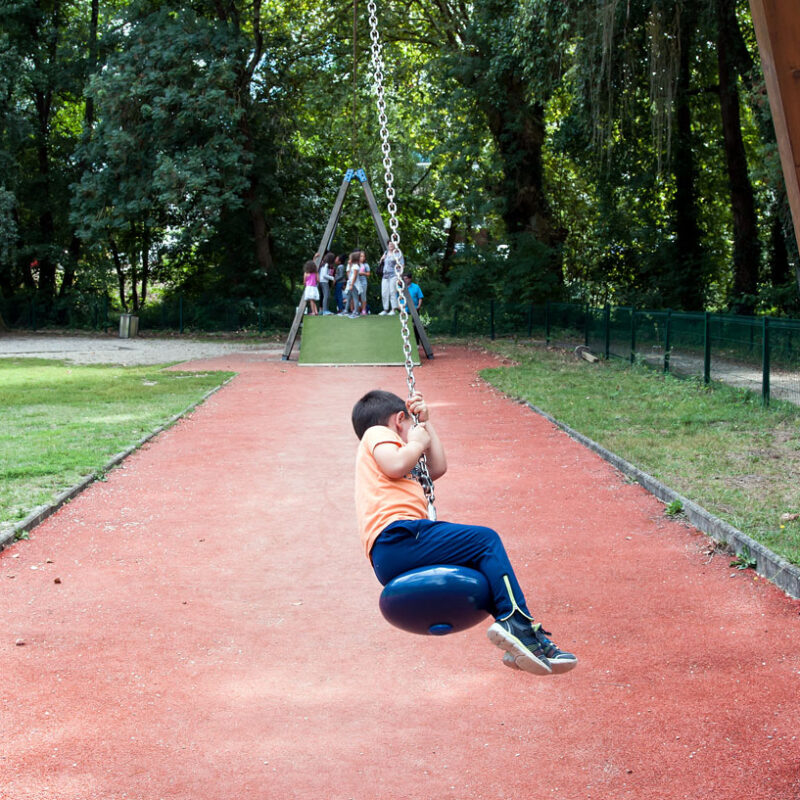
x,y
215,634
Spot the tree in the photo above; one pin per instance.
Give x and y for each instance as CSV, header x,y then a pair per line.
x,y
167,155
40,55
746,244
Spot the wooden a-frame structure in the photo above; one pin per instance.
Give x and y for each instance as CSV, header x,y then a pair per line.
x,y
777,26
325,244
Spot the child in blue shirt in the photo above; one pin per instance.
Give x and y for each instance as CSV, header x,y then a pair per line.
x,y
415,293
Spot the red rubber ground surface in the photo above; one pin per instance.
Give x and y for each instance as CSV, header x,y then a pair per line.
x,y
216,635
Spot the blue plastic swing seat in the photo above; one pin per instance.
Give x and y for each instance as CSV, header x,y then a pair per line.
x,y
436,600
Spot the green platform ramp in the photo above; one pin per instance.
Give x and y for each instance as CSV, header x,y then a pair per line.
x,y
372,339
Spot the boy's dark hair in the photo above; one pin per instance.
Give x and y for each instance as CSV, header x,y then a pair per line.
x,y
375,408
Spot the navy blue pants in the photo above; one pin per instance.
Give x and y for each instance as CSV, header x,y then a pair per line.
x,y
408,544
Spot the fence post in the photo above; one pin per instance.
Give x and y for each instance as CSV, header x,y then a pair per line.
x,y
765,359
633,335
707,348
180,313
667,338
586,326
260,312
491,318
530,321
455,321
547,323
607,331
33,314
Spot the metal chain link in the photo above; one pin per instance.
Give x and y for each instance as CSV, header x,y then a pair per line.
x,y
377,83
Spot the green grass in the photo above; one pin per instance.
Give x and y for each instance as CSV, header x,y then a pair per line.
x,y
61,422
715,445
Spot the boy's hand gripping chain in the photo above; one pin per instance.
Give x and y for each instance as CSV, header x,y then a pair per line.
x,y
377,80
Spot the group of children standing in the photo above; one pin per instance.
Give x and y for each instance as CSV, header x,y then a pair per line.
x,y
348,276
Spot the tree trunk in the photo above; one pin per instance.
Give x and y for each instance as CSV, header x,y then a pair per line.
x,y
689,291
254,208
43,100
134,288
779,268
449,249
88,120
260,227
47,267
518,129
145,264
93,25
746,245
519,133
68,278
120,273
228,12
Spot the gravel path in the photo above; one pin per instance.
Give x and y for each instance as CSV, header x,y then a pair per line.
x,y
113,350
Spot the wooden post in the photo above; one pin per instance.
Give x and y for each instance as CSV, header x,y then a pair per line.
x,y
777,26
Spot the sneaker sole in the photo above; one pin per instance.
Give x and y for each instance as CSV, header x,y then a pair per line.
x,y
523,658
510,661
560,667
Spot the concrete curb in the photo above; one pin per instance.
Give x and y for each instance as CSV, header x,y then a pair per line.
x,y
768,564
38,515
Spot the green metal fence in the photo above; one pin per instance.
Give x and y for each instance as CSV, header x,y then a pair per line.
x,y
90,312
761,354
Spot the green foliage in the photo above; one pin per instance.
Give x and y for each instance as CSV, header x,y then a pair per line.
x,y
744,560
167,156
198,149
8,225
674,508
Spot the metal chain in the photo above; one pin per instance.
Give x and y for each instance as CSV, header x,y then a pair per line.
x,y
377,83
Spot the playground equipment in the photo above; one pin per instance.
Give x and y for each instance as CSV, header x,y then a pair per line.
x,y
325,245
436,600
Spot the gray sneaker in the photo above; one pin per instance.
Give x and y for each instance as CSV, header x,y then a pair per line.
x,y
515,635
558,660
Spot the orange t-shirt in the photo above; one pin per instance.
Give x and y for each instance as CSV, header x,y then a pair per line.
x,y
381,500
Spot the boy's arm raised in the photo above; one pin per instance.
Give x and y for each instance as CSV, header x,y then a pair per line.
x,y
434,450
394,461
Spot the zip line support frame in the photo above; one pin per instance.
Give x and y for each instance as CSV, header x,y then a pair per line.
x,y
325,244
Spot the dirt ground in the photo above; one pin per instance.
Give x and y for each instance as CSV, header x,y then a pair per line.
x,y
203,625
95,349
